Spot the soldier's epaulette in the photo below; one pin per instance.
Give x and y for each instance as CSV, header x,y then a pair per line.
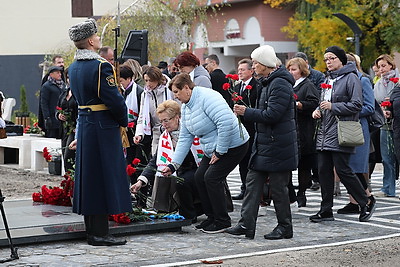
x,y
102,60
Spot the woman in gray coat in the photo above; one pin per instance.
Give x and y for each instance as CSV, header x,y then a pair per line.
x,y
341,99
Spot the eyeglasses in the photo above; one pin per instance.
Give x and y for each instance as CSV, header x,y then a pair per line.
x,y
166,120
330,59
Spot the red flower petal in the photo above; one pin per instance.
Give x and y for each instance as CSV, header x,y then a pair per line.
x,y
226,86
135,161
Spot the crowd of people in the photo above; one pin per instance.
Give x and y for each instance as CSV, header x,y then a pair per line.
x,y
193,121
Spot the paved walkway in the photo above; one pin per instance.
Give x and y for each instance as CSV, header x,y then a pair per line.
x,y
190,246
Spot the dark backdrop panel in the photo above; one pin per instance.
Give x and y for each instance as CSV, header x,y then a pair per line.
x,y
16,70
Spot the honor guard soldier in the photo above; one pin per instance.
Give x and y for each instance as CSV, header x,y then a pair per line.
x,y
101,187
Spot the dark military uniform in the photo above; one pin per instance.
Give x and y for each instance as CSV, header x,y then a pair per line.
x,y
101,186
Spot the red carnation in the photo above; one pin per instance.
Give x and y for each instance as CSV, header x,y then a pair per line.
x,y
58,108
228,76
35,124
395,80
295,97
135,161
45,149
37,197
386,104
130,170
226,86
326,86
248,87
235,77
131,125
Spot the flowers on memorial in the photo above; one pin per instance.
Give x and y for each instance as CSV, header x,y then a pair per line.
x,y
51,154
34,129
141,215
58,195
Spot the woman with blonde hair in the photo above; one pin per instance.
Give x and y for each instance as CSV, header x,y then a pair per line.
x,y
306,96
169,113
382,91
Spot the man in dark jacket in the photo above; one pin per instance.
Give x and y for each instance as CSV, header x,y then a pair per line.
x,y
100,187
275,150
218,77
49,94
247,88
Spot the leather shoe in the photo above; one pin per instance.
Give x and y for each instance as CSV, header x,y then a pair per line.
x,y
239,197
279,233
365,215
322,216
107,240
240,230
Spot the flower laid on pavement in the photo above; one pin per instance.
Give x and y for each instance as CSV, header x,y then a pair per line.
x,y
59,196
141,215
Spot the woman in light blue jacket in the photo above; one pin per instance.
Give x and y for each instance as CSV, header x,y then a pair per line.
x,y
206,114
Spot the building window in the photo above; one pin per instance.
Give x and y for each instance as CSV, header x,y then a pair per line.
x,y
82,8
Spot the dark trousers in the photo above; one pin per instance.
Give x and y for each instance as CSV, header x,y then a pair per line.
x,y
210,183
278,182
305,166
244,165
188,195
315,175
68,154
96,225
327,160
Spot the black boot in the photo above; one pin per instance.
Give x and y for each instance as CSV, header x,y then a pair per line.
x,y
301,199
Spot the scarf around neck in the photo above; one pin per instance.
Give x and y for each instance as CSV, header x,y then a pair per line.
x,y
58,83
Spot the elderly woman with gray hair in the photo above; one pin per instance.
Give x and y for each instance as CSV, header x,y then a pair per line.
x,y
275,152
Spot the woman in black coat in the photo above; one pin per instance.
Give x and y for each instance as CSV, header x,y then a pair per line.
x,y
306,96
67,113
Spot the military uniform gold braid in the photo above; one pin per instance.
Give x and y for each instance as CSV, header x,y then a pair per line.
x,y
124,136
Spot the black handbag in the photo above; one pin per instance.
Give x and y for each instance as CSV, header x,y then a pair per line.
x,y
377,119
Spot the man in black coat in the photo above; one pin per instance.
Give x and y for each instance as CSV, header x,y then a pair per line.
x,y
49,94
275,149
247,88
218,77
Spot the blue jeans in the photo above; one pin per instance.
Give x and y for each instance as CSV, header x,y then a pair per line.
x,y
389,163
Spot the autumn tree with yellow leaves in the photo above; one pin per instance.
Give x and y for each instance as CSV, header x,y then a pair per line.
x,y
316,28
